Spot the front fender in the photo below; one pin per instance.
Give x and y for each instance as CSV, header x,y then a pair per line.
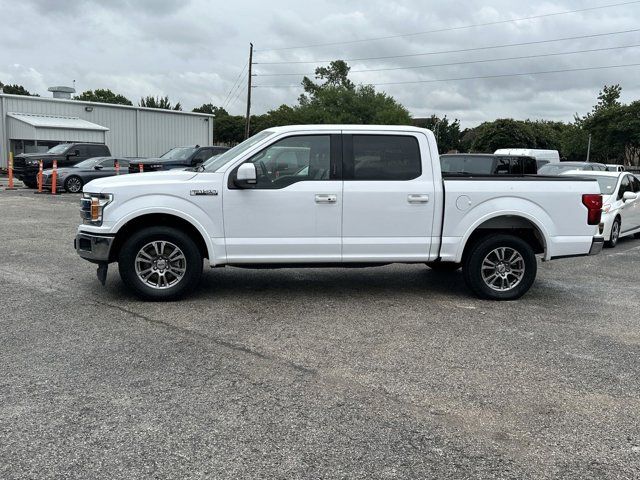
x,y
196,214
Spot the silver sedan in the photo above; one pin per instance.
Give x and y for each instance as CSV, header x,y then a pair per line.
x,y
72,179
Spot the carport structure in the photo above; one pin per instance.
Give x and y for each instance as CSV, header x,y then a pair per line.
x,y
45,129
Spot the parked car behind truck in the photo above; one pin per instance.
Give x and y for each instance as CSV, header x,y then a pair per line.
x,y
621,204
26,165
487,164
365,195
178,158
73,178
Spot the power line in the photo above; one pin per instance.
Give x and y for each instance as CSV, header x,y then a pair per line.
x,y
237,87
474,49
522,57
449,29
478,77
226,98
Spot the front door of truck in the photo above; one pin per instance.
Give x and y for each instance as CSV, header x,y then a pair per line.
x,y
294,212
388,211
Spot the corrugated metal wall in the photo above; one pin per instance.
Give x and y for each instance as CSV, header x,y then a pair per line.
x,y
133,132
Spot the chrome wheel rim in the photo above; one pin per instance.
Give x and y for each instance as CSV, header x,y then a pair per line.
x,y
503,269
74,185
160,264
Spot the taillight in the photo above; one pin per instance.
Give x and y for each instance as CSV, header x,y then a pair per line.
x,y
593,202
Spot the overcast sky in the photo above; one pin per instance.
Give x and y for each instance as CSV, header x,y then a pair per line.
x,y
195,50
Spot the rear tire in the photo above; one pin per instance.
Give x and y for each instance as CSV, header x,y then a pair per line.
x,y
444,266
500,267
615,234
160,263
73,184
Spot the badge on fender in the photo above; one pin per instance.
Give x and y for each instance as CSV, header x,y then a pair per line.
x,y
203,192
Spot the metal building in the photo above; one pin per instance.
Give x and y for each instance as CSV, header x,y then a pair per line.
x,y
34,124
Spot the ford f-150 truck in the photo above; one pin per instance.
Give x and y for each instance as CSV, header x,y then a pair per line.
x,y
358,196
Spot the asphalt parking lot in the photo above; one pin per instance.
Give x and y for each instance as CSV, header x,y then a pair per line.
x,y
393,372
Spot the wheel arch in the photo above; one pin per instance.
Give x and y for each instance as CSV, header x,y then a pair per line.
x,y
161,219
517,224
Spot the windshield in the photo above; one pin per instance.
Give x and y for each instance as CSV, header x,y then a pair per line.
x,y
178,153
59,148
219,161
555,169
607,184
89,163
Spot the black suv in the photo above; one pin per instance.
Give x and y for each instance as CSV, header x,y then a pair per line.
x,y
25,165
486,164
178,157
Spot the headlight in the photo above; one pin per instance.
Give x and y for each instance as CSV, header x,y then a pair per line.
x,y
31,161
92,206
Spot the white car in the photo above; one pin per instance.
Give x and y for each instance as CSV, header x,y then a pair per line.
x,y
620,204
612,167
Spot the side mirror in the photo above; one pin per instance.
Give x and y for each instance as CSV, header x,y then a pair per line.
x,y
98,167
629,196
246,176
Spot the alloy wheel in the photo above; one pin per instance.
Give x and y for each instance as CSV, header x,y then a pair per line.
x,y
503,269
160,264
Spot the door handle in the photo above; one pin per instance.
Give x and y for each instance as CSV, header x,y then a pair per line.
x,y
418,198
326,198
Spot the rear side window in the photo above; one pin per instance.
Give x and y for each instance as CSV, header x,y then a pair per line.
x,y
383,157
97,150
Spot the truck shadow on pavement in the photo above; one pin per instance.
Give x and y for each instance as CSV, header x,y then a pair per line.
x,y
395,280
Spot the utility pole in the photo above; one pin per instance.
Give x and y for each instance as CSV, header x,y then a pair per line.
x,y
249,78
589,148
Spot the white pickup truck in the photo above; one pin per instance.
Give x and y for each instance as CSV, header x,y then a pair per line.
x,y
334,195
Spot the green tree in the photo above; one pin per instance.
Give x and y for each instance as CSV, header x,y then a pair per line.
x,y
228,129
608,97
503,133
211,109
447,132
335,99
159,102
16,90
103,95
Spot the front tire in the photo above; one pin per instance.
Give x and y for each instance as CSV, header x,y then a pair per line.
x,y
615,234
30,184
500,267
160,263
73,184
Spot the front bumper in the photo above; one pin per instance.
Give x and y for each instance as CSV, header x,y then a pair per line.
x,y
596,245
94,248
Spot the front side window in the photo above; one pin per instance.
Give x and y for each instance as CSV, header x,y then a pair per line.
x,y
625,186
108,163
293,159
384,157
635,184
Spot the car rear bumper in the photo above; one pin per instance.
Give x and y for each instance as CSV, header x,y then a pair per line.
x,y
94,248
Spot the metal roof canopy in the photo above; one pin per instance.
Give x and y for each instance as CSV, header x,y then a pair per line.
x,y
28,126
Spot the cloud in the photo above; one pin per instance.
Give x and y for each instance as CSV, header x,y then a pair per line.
x,y
194,50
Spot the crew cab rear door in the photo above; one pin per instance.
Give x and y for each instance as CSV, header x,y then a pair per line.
x,y
388,197
294,213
